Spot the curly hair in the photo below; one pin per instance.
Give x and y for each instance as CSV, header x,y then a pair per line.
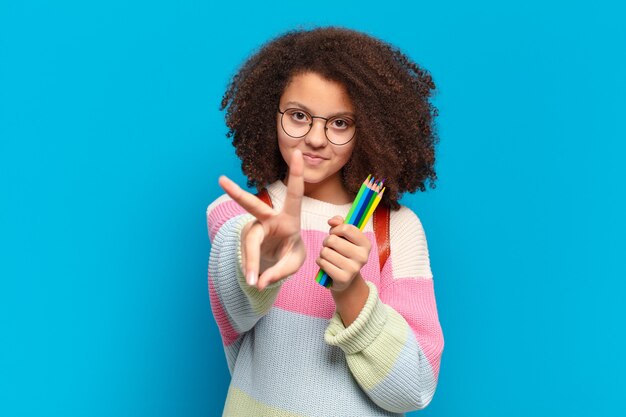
x,y
396,134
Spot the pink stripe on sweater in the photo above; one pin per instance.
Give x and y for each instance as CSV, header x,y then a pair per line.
x,y
414,299
229,334
221,214
302,294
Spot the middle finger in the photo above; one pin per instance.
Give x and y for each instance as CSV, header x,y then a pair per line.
x,y
339,244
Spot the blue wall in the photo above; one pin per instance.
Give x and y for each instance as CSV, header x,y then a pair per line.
x,y
111,144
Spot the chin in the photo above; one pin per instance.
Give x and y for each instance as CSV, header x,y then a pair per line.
x,y
312,179
315,177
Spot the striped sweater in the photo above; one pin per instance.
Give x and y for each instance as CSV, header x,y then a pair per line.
x,y
286,347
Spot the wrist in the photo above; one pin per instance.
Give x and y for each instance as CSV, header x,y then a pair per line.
x,y
357,283
350,302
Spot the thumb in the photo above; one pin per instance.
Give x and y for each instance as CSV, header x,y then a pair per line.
x,y
335,220
276,272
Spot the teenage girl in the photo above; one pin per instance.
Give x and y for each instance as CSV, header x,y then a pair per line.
x,y
311,114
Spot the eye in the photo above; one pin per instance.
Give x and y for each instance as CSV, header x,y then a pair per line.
x,y
299,116
341,124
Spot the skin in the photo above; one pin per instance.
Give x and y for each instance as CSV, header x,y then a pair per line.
x,y
321,98
271,244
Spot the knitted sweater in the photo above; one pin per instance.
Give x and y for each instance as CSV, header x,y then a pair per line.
x,y
286,347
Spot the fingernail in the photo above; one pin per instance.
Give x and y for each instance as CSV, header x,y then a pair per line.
x,y
251,278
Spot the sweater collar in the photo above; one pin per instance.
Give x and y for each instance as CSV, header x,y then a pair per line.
x,y
278,191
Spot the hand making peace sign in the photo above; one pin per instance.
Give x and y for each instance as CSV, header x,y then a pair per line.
x,y
271,243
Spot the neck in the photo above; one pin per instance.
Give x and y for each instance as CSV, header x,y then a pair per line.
x,y
330,191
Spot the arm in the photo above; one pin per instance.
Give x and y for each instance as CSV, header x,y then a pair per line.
x,y
236,306
394,345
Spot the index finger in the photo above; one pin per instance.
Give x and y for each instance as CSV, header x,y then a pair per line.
x,y
349,232
295,185
251,203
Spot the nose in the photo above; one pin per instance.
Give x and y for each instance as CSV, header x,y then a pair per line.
x,y
317,135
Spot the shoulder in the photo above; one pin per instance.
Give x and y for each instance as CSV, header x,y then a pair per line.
x,y
404,222
218,201
220,210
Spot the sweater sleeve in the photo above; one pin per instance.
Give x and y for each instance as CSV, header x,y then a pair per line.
x,y
236,306
394,346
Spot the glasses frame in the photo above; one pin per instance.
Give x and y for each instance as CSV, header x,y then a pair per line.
x,y
327,119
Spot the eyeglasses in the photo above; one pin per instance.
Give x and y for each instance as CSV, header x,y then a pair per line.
x,y
297,123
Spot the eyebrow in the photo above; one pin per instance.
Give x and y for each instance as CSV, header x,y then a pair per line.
x,y
343,113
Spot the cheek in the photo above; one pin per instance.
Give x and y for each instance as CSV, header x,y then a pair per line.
x,y
346,154
284,141
284,148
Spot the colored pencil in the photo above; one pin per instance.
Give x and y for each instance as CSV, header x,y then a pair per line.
x,y
361,211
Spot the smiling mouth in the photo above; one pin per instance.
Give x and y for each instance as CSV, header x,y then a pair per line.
x,y
313,160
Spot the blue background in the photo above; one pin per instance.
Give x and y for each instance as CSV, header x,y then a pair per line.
x,y
111,143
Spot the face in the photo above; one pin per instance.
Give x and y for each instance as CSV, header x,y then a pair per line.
x,y
320,97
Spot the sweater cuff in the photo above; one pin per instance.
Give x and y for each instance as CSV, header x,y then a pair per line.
x,y
261,301
365,328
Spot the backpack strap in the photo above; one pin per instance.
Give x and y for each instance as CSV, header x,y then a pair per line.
x,y
264,195
380,218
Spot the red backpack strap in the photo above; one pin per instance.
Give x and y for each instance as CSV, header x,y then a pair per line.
x,y
381,219
264,195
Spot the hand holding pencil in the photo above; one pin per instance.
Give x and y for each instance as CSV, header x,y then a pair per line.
x,y
354,257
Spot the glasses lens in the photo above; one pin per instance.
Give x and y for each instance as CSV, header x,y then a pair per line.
x,y
296,122
340,130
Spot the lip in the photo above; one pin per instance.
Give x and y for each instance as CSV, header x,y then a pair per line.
x,y
312,160
312,155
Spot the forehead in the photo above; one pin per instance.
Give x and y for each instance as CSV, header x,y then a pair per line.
x,y
318,94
